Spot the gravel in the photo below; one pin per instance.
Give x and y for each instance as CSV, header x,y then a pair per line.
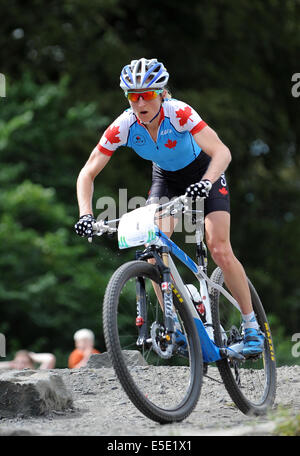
x,y
101,408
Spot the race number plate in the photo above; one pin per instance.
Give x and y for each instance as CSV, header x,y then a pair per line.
x,y
137,227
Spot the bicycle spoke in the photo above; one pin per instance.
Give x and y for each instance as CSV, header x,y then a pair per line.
x,y
162,387
252,382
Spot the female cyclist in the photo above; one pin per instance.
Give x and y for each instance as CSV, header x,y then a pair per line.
x,y
187,157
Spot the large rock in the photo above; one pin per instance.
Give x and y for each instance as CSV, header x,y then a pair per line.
x,y
132,358
29,393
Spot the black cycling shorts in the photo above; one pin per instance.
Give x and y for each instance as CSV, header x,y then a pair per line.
x,y
174,183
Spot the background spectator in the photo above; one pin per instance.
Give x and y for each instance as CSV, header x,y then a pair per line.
x,y
84,343
25,359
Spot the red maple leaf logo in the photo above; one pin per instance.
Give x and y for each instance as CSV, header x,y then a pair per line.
x,y
111,135
170,144
184,115
223,191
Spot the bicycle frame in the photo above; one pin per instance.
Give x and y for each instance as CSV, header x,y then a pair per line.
x,y
210,351
158,325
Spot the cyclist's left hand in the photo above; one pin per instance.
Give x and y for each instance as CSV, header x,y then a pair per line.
x,y
199,190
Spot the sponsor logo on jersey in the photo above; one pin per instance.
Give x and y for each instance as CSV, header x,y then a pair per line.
x,y
165,132
139,140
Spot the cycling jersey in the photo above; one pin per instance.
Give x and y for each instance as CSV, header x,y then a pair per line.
x,y
174,148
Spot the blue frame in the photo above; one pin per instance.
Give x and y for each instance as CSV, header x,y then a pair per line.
x,y
183,257
210,351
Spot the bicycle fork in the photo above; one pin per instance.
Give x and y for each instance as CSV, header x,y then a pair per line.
x,y
166,289
141,310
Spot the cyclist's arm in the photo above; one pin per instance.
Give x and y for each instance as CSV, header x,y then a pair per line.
x,y
85,182
220,155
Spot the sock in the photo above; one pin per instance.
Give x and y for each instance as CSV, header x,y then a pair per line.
x,y
249,321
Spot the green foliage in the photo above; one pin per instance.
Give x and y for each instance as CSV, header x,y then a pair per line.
x,y
46,273
233,65
286,424
44,130
283,343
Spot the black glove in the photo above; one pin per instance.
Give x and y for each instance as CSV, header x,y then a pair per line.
x,y
199,190
84,227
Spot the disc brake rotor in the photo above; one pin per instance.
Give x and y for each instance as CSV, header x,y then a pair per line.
x,y
159,342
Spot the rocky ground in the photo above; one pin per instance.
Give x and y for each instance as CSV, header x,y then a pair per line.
x,y
100,407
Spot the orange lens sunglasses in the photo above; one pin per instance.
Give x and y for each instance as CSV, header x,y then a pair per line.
x,y
146,95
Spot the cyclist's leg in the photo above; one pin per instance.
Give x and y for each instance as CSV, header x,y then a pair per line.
x,y
217,226
160,193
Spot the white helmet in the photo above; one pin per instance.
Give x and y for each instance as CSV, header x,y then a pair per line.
x,y
143,73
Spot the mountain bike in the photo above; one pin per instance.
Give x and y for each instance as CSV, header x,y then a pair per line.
x,y
150,314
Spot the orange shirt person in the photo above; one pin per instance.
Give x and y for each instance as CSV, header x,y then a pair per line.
x,y
84,348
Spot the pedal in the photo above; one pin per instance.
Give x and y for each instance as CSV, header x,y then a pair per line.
x,y
229,353
254,357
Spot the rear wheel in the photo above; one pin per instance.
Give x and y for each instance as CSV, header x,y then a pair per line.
x,y
163,383
251,383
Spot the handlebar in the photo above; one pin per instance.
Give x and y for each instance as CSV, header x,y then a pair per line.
x,y
176,206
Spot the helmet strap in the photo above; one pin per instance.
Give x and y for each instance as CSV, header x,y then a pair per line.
x,y
147,123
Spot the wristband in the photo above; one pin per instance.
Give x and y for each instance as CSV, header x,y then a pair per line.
x,y
86,215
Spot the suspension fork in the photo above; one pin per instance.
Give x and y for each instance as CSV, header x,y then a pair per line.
x,y
166,286
141,307
141,310
161,256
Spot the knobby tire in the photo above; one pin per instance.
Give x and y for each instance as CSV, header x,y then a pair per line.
x,y
110,310
236,393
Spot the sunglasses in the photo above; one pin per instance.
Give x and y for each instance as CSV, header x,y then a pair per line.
x,y
146,95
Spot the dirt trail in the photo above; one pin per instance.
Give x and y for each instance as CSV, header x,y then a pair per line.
x,y
101,408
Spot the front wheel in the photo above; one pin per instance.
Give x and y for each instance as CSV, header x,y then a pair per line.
x,y
163,384
251,383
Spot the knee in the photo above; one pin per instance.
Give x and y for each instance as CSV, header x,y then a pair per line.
x,y
222,254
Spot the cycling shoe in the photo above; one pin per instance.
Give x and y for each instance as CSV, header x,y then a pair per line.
x,y
181,343
253,342
180,339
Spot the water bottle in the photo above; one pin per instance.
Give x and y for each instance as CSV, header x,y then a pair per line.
x,y
197,301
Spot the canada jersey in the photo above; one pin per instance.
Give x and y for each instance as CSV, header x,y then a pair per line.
x,y
174,147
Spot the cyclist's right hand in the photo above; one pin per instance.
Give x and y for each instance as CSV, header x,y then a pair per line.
x,y
199,190
84,227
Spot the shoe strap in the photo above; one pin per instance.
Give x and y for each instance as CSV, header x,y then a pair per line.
x,y
252,338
